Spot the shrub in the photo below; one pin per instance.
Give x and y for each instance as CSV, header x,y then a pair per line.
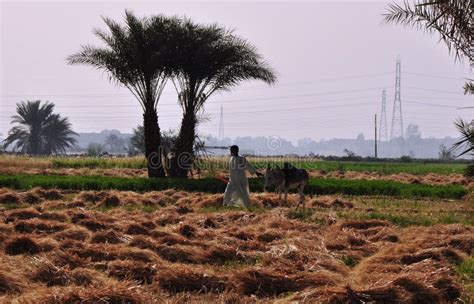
x,y
469,171
405,158
95,149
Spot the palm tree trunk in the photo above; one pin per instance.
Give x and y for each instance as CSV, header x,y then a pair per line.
x,y
35,141
153,144
184,155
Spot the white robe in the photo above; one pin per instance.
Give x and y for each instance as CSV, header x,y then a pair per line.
x,y
237,190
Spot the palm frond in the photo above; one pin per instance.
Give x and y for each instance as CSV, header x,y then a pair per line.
x,y
212,59
466,141
136,55
469,87
451,19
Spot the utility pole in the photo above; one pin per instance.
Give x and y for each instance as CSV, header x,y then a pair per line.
x,y
375,121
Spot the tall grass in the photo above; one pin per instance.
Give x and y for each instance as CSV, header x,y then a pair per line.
x,y
210,185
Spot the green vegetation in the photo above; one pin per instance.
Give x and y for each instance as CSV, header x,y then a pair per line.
x,y
466,271
302,215
349,261
381,187
416,168
4,207
408,212
466,268
210,185
405,218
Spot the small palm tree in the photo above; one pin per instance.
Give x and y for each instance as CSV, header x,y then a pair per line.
x,y
137,56
209,59
39,130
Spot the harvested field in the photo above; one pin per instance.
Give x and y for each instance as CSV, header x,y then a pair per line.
x,y
211,185
409,178
175,246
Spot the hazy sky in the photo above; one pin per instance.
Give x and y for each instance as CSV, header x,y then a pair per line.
x,y
333,59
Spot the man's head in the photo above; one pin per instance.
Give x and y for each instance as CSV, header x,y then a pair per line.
x,y
234,150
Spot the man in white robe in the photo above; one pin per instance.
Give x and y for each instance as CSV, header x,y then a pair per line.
x,y
237,190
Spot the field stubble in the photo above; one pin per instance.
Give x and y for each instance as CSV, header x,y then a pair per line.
x,y
61,246
415,173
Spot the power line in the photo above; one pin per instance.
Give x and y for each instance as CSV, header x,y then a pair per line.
x,y
292,109
252,112
293,96
105,95
433,90
208,102
432,104
239,88
434,76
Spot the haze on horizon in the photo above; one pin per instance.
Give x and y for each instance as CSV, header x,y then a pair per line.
x,y
332,58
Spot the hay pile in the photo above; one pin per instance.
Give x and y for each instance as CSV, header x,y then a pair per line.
x,y
428,179
184,252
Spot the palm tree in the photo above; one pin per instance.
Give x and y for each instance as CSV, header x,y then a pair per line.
x,y
137,56
39,130
451,19
209,59
58,135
